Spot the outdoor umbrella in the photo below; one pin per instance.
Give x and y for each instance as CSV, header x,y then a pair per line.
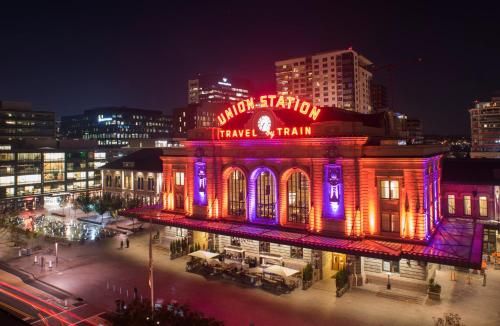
x,y
203,254
280,270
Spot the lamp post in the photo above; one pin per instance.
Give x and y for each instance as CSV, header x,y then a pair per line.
x,y
57,257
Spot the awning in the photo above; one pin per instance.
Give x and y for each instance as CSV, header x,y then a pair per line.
x,y
456,242
203,254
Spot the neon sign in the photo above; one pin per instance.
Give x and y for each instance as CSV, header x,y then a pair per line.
x,y
291,103
254,133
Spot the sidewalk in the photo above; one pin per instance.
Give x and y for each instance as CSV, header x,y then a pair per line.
x,y
101,272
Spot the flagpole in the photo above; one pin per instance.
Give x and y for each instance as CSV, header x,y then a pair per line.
x,y
151,280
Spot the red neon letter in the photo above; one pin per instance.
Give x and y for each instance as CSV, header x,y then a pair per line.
x,y
271,98
304,107
250,104
280,102
222,119
263,101
314,113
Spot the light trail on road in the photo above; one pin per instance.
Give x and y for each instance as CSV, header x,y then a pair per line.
x,y
48,308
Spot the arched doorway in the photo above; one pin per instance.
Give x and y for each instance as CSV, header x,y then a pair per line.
x,y
263,194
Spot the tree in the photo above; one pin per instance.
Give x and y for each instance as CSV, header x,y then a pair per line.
x,y
139,313
85,203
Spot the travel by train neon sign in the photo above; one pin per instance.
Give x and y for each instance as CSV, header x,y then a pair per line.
x,y
264,123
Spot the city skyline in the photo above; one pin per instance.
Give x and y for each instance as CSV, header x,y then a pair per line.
x,y
143,57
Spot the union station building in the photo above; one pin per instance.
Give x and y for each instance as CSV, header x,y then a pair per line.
x,y
288,183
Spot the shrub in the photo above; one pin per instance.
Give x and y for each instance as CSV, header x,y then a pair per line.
x,y
341,278
434,287
307,273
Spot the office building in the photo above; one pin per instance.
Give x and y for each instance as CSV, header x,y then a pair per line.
x,y
19,123
485,129
202,115
46,177
378,93
415,131
286,187
116,126
338,79
218,89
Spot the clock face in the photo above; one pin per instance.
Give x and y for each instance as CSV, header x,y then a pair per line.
x,y
264,123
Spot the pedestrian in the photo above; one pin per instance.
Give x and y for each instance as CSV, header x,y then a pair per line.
x,y
128,243
135,293
121,244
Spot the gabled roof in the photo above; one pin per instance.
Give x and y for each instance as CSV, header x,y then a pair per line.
x,y
471,171
147,159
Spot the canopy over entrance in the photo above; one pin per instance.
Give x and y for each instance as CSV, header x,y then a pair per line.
x,y
456,242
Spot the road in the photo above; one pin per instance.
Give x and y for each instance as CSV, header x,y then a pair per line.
x,y
42,310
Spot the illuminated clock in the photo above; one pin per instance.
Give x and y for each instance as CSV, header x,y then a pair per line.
x,y
264,123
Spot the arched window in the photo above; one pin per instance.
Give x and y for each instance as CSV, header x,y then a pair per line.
x,y
266,195
236,191
298,198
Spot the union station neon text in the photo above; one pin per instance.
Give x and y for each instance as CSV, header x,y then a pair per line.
x,y
270,101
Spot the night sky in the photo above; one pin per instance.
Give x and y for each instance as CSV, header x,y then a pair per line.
x,y
71,56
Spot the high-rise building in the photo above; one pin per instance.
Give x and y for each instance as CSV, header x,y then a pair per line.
x,y
485,129
378,93
201,115
415,131
18,122
116,126
336,79
218,89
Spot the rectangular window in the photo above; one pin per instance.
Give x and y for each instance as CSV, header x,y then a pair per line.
x,y
390,222
140,183
264,247
235,241
179,178
451,204
390,266
483,206
389,189
296,252
467,205
151,184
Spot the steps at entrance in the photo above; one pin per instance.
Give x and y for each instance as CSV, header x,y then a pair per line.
x,y
398,296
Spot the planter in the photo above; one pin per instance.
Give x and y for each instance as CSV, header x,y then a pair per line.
x,y
434,295
342,290
306,285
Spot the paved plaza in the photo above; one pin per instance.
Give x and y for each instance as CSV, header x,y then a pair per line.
x,y
100,272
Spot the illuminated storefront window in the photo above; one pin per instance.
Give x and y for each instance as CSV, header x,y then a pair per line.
x,y
48,157
236,184
298,198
